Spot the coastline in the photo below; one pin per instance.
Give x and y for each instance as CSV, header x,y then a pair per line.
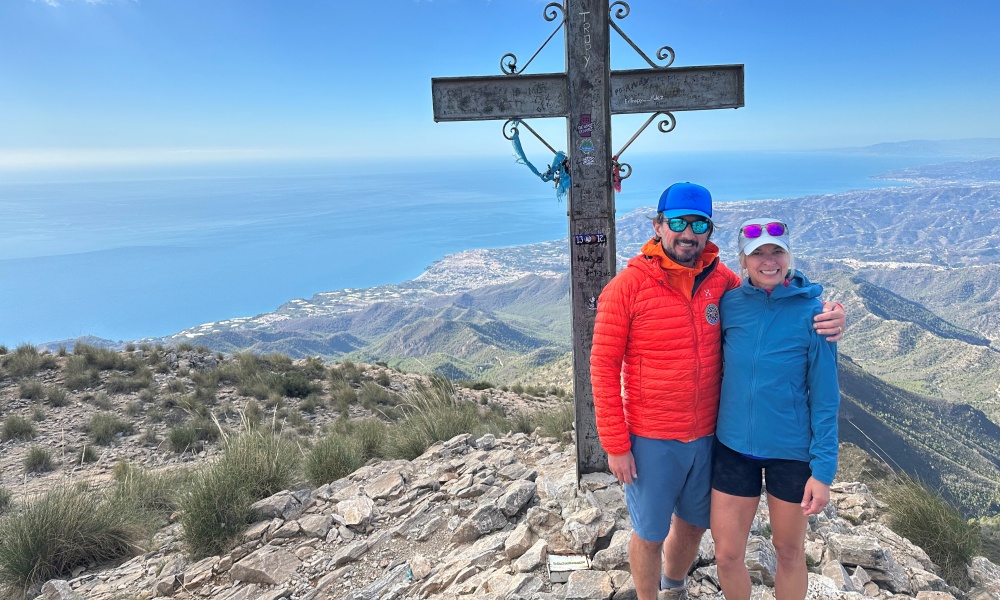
x,y
130,290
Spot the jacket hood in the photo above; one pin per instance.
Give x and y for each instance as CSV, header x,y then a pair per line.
x,y
797,285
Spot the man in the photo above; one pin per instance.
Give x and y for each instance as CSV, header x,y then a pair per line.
x,y
656,371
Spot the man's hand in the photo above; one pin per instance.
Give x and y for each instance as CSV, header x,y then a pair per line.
x,y
831,321
815,498
623,467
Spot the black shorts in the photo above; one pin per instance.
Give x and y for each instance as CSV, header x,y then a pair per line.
x,y
739,475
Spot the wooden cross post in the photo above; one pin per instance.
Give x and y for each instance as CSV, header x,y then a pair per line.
x,y
587,94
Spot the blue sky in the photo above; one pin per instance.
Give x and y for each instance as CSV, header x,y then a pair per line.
x,y
85,81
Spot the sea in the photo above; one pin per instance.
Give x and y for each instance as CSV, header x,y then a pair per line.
x,y
145,252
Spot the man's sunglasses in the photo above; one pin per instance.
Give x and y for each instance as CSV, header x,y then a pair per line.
x,y
754,230
678,225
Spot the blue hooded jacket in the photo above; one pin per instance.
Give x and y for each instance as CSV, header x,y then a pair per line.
x,y
780,394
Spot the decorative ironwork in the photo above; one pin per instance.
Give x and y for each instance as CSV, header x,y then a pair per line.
x,y
513,124
665,126
551,12
665,53
624,170
619,9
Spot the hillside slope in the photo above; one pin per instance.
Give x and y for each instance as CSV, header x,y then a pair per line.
x,y
951,447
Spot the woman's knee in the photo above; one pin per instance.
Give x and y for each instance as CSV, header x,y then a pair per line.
x,y
730,555
790,552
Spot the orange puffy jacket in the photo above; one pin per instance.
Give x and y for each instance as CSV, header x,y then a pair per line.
x,y
656,360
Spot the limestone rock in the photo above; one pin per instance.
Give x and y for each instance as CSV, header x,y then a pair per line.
x,y
316,526
349,553
420,567
982,571
616,554
58,589
519,541
356,511
484,520
388,585
532,558
838,574
283,505
478,519
858,550
761,561
925,581
200,572
268,565
589,585
516,497
391,484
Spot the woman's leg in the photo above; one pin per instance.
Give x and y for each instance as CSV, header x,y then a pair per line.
x,y
788,529
732,517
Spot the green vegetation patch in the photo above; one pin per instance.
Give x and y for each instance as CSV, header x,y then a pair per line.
x,y
215,506
38,460
104,426
16,427
433,413
31,389
26,361
926,519
64,529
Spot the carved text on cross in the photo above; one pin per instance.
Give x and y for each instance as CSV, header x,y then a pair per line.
x,y
541,96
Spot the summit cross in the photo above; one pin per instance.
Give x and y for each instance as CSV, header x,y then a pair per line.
x,y
587,94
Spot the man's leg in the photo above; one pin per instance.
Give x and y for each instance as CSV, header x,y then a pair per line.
x,y
644,561
680,548
662,466
691,517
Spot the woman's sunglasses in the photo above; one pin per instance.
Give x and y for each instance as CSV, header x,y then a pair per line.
x,y
678,225
754,230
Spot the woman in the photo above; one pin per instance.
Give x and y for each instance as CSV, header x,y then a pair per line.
x,y
777,413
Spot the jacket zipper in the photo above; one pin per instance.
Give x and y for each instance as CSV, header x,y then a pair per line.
x,y
753,374
697,370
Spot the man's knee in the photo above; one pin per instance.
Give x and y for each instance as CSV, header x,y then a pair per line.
x,y
685,532
645,546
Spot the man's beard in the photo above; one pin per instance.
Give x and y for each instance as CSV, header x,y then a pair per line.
x,y
683,254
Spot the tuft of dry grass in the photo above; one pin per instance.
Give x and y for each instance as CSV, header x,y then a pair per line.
x,y
924,517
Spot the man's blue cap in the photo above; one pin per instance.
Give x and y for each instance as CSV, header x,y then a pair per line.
x,y
685,199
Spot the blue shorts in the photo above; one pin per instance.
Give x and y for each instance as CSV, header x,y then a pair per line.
x,y
674,478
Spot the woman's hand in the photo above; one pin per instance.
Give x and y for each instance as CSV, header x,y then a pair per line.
x,y
815,498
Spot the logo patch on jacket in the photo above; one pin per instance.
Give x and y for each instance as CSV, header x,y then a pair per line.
x,y
712,314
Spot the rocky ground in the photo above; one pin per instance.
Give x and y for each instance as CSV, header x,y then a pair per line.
x,y
496,517
59,415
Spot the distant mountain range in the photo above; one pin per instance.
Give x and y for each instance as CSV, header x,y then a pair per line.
x,y
918,269
965,148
